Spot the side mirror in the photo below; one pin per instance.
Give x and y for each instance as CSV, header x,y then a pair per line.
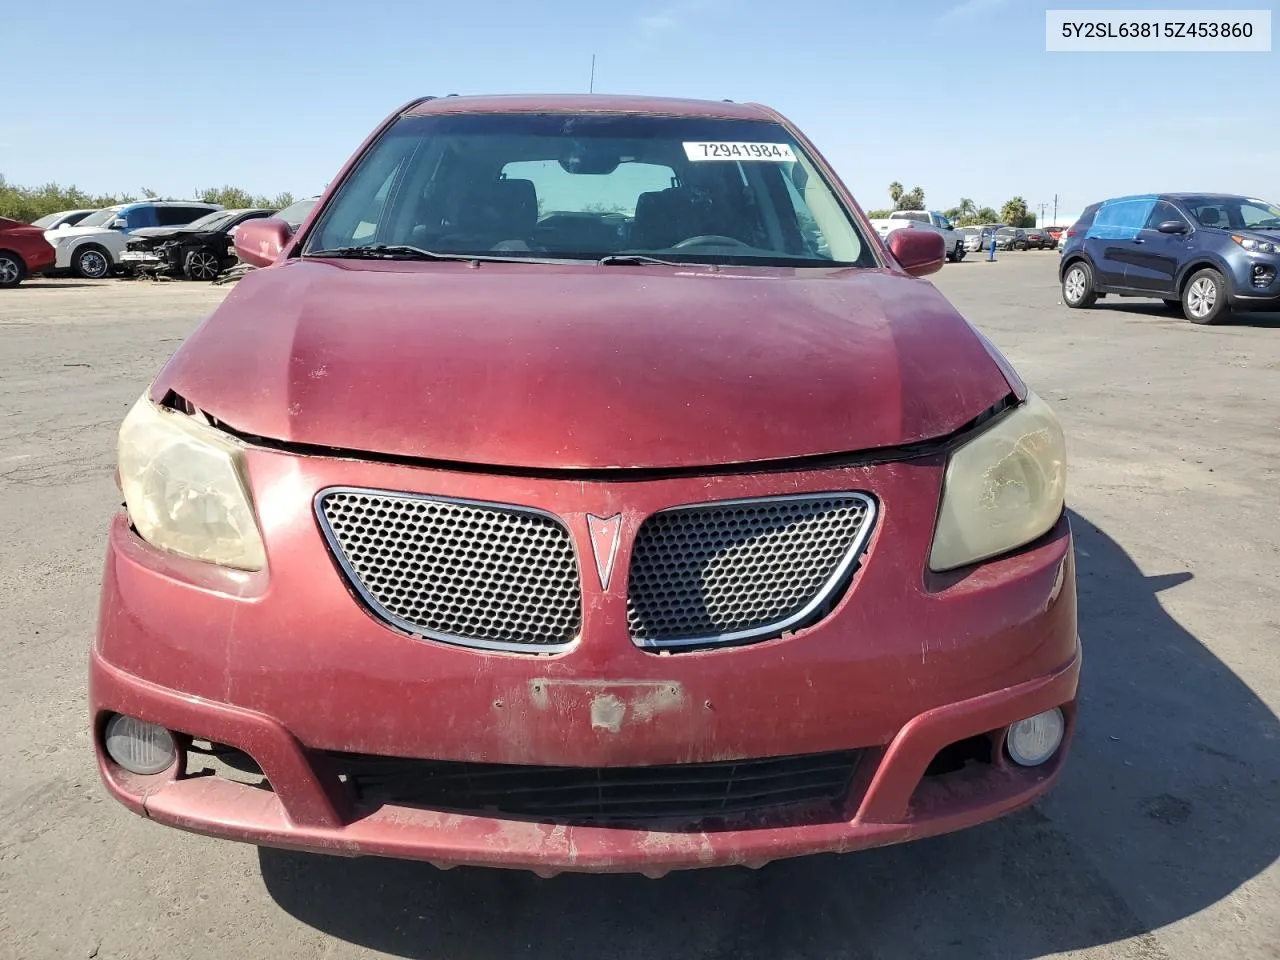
x,y
1172,226
919,252
259,242
119,223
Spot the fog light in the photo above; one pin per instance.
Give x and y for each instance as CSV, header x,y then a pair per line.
x,y
139,747
1033,741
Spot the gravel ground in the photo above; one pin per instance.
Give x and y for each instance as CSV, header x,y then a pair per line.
x,y
1160,842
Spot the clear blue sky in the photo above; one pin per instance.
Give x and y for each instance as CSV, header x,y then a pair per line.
x,y
957,96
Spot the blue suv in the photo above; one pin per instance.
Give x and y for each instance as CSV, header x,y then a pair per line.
x,y
1203,254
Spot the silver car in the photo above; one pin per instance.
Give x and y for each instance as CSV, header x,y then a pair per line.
x,y
976,239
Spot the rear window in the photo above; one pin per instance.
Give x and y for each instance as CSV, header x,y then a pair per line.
x,y
583,186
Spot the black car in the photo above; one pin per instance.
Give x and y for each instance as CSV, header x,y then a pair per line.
x,y
199,251
1203,254
1011,238
1036,238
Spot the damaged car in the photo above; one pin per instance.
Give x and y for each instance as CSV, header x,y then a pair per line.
x,y
199,251
585,487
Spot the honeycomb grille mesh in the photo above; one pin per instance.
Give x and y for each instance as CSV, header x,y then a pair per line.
x,y
740,570
483,575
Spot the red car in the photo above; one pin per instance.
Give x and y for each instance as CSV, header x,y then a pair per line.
x,y
23,251
584,487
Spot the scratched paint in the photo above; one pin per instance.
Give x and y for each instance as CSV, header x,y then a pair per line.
x,y
612,705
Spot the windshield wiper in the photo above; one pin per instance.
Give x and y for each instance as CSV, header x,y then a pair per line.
x,y
635,259
405,251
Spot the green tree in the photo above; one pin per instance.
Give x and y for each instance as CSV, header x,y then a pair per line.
x,y
879,214
31,203
986,215
1014,212
229,196
913,199
895,193
235,198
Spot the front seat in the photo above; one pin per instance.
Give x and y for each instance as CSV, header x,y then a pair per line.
x,y
665,217
1210,217
498,212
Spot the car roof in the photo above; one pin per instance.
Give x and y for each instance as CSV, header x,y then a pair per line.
x,y
1203,196
1175,196
591,103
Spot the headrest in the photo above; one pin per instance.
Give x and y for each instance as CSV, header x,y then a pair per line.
x,y
508,207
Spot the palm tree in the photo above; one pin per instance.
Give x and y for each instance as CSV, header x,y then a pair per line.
x,y
895,192
967,207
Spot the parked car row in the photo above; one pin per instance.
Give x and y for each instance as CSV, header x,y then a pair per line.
x,y
181,238
978,238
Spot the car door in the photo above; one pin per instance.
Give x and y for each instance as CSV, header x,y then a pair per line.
x,y
1109,241
1153,261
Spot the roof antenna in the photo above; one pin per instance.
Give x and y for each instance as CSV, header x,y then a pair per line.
x,y
592,87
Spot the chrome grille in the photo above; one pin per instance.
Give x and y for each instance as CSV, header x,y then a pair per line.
x,y
742,570
478,574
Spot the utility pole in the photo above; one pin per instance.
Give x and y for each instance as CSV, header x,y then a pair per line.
x,y
1043,207
1055,209
592,87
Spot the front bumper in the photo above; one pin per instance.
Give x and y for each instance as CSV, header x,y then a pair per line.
x,y
1254,282
40,259
62,255
140,258
288,667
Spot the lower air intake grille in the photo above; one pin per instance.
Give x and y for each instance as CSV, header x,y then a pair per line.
x,y
686,792
477,574
742,570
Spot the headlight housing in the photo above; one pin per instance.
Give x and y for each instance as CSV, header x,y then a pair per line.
x,y
186,488
1254,245
1002,489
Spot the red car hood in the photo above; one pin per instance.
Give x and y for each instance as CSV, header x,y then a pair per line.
x,y
536,366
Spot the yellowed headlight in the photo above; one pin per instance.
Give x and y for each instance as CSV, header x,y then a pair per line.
x,y
1003,488
185,488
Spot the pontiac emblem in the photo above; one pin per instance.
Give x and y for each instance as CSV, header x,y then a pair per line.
x,y
604,544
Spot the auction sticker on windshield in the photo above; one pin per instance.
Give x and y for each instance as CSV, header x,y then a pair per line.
x,y
722,150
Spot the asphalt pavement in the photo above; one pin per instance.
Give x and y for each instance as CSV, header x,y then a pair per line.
x,y
1161,841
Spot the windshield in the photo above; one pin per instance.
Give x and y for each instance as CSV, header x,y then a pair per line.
x,y
1234,213
211,221
46,221
295,213
589,186
101,218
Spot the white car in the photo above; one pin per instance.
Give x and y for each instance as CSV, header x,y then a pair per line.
x,y
887,225
64,218
936,220
92,247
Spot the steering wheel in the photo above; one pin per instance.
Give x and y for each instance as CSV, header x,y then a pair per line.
x,y
709,240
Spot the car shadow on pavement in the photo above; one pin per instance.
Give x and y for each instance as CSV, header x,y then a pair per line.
x,y
39,283
1168,804
1157,311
